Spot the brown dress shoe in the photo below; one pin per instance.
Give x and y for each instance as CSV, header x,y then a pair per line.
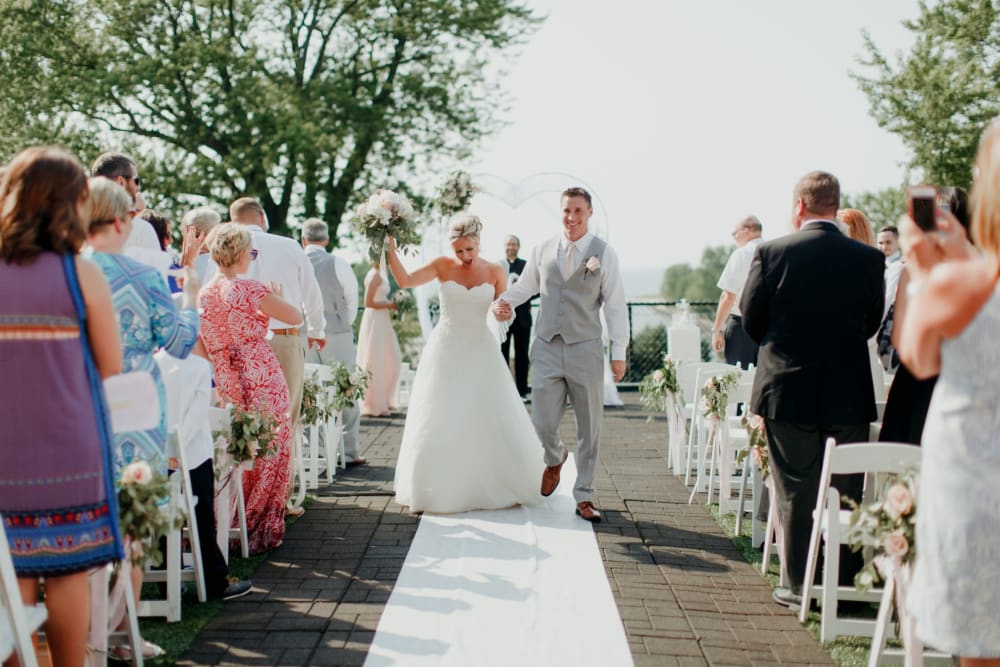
x,y
550,478
587,510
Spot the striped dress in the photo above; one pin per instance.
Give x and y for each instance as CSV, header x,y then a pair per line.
x,y
55,480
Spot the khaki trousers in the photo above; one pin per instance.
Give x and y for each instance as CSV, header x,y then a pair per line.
x,y
292,358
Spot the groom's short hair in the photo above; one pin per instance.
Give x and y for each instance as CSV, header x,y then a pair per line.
x,y
578,192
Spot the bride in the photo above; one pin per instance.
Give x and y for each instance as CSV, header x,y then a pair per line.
x,y
468,442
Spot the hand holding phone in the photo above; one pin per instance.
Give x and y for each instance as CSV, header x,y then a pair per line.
x,y
923,205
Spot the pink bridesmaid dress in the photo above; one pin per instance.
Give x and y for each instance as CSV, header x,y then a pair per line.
x,y
378,352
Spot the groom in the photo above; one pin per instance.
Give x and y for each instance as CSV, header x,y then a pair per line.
x,y
575,273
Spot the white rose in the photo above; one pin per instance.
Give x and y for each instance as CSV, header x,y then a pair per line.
x,y
658,375
137,473
866,580
254,447
593,264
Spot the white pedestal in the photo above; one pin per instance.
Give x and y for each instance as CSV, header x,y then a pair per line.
x,y
684,343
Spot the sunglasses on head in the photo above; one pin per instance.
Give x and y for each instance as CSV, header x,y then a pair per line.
x,y
253,254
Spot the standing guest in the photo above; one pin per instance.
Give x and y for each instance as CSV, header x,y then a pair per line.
x,y
812,300
204,219
951,328
283,262
910,398
520,328
858,227
339,287
161,225
148,320
236,312
888,243
58,340
728,335
378,348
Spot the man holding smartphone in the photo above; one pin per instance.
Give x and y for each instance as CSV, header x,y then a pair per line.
x,y
811,301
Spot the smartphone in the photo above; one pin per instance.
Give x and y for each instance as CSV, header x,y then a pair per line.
x,y
923,202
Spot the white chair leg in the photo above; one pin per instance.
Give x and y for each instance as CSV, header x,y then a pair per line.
x,y
768,539
241,515
194,539
756,524
882,623
741,500
331,440
341,449
831,569
693,435
813,555
711,474
298,467
132,619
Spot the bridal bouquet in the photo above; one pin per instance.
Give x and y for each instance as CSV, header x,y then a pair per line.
x,y
757,443
143,515
886,525
350,385
658,385
715,395
385,214
317,404
455,194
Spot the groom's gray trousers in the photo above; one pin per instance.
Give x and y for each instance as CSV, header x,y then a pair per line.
x,y
558,370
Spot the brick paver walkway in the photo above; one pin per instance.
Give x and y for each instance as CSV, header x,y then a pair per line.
x,y
685,594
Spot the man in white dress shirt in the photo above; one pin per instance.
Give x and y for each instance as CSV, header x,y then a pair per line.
x,y
576,273
339,287
281,260
728,335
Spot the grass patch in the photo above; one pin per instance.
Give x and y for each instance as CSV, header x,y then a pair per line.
x,y
845,651
175,638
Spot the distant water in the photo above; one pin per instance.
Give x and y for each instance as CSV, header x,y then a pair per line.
x,y
642,283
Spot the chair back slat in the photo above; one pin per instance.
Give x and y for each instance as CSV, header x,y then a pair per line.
x,y
872,457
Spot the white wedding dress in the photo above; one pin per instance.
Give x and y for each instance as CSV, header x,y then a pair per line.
x,y
468,443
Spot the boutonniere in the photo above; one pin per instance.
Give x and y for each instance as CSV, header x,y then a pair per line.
x,y
592,265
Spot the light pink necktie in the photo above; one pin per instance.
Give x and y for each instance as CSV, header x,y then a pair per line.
x,y
569,261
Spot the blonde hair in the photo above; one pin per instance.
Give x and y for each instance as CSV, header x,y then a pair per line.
x,y
858,227
985,198
227,242
203,218
463,226
108,202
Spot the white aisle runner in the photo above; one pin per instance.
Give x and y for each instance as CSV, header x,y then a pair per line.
x,y
516,587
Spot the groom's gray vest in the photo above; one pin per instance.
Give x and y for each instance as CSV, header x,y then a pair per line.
x,y
334,297
569,308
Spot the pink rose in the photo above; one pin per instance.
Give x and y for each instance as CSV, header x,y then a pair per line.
x,y
756,422
758,458
593,264
898,501
137,473
895,544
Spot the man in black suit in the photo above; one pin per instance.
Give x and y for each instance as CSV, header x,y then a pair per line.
x,y
520,328
812,301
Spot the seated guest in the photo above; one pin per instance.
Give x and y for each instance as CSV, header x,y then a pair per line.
x,y
148,320
58,339
189,395
950,328
236,313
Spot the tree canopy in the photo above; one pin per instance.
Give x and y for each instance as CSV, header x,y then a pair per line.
x,y
683,281
939,97
298,102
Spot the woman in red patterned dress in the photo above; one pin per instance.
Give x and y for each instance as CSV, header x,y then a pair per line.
x,y
235,314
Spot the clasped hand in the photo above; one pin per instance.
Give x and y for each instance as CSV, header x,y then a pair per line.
x,y
502,310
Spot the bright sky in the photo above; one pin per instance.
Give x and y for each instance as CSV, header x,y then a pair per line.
x,y
683,116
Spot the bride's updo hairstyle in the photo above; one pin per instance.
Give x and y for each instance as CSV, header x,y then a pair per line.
x,y
465,226
226,242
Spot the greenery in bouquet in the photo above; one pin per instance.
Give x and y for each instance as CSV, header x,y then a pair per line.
x,y
658,385
455,194
757,443
350,385
317,404
384,214
715,395
143,514
886,525
251,436
405,302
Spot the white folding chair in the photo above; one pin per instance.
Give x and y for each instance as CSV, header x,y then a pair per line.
x,y
17,620
830,524
319,458
691,378
183,501
751,480
722,458
101,624
222,422
913,653
773,537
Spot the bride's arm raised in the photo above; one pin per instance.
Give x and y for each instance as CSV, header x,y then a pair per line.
x,y
404,278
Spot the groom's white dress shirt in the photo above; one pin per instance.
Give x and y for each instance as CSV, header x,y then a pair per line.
x,y
612,289
282,260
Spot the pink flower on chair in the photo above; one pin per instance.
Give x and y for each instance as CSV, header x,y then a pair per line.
x,y
898,501
138,472
896,544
